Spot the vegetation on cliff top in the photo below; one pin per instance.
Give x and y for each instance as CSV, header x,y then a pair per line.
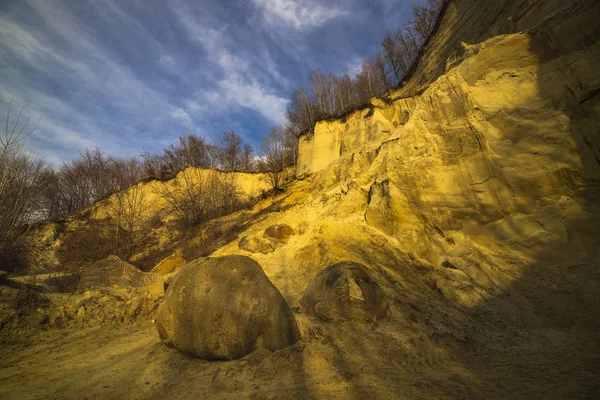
x,y
330,96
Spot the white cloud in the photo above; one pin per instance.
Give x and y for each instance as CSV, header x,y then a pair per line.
x,y
180,115
253,96
194,106
103,74
95,81
239,83
298,14
55,140
355,65
167,62
24,45
91,94
54,131
63,135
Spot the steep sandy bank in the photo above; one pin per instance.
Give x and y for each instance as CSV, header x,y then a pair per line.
x,y
475,208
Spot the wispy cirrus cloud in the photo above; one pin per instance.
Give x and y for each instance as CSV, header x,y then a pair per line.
x,y
181,115
240,82
126,76
298,14
97,93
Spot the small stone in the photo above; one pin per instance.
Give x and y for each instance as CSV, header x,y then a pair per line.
x,y
279,233
256,245
449,265
404,117
379,103
169,264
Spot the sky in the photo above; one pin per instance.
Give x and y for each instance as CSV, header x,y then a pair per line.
x,y
127,76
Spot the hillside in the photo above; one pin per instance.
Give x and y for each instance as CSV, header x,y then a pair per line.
x,y
471,199
149,208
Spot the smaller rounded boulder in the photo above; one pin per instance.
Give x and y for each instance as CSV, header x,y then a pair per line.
x,y
345,291
279,233
223,308
256,245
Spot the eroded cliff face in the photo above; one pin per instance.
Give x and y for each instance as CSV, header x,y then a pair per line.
x,y
503,146
474,204
466,21
443,243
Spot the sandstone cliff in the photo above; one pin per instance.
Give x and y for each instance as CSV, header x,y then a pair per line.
x,y
506,137
442,243
474,200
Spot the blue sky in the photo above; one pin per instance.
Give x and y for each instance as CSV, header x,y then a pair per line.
x,y
133,75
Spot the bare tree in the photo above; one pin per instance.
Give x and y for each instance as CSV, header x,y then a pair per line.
x,y
74,187
322,88
425,17
152,164
129,210
290,146
247,161
331,96
50,205
393,59
83,180
274,155
200,195
344,90
20,174
190,150
332,106
230,150
381,74
301,112
123,173
94,167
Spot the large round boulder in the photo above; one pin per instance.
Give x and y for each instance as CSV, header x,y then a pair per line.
x,y
345,291
223,308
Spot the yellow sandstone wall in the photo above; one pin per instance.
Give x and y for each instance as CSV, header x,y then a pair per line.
x,y
509,133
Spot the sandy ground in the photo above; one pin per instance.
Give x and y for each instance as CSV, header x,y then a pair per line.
x,y
531,334
336,361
